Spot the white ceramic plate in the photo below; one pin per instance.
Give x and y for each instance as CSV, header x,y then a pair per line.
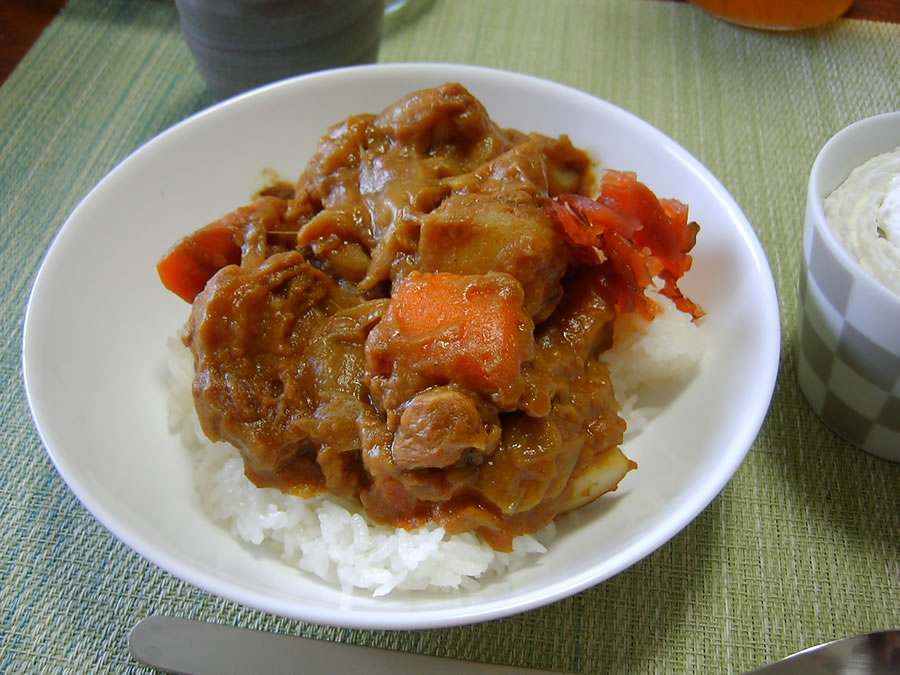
x,y
98,319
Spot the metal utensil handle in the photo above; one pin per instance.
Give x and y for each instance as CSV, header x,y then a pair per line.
x,y
195,647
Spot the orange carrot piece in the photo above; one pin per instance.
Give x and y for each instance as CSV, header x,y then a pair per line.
x,y
472,330
190,263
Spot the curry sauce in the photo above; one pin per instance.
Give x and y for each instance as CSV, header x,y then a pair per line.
x,y
409,325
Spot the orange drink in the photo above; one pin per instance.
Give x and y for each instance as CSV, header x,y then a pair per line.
x,y
776,14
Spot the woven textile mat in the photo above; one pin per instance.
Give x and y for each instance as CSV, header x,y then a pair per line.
x,y
801,547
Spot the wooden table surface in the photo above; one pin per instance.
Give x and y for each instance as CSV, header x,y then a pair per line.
x,y
22,21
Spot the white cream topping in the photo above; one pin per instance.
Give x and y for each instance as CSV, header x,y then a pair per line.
x,y
864,213
888,220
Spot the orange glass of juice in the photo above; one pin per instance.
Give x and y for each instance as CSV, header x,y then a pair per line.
x,y
775,14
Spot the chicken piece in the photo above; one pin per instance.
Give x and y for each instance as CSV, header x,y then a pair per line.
x,y
496,220
252,332
446,121
440,427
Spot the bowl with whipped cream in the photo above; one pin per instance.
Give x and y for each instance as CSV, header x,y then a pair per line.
x,y
848,342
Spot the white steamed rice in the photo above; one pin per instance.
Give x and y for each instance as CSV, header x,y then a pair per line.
x,y
648,354
334,540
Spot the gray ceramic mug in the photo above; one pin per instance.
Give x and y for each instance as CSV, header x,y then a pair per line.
x,y
242,44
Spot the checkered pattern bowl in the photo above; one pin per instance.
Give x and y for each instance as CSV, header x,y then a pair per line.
x,y
848,346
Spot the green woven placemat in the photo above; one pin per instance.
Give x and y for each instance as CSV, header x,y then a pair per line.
x,y
802,546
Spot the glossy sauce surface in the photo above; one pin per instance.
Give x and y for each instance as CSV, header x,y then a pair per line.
x,y
408,327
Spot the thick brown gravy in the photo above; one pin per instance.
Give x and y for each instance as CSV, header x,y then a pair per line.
x,y
406,326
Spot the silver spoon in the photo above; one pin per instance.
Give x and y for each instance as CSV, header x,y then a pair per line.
x,y
199,648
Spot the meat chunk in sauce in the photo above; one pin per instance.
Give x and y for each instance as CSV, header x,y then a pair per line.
x,y
407,327
441,427
498,214
279,360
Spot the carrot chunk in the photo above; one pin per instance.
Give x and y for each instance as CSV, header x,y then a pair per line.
x,y
191,262
470,328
